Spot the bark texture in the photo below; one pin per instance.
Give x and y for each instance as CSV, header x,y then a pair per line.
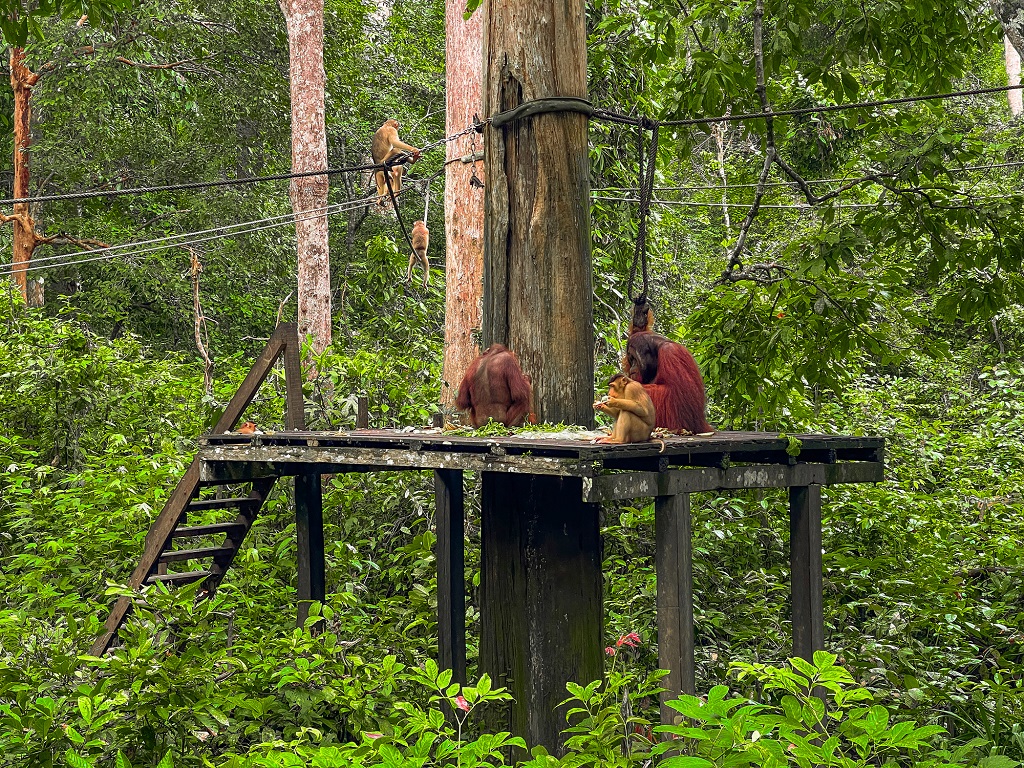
x,y
537,268
463,203
1015,98
305,22
22,82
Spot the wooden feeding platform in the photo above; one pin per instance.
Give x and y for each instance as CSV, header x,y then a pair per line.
x,y
541,584
541,587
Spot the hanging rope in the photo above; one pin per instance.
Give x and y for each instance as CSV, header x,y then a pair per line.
x,y
426,200
398,213
645,188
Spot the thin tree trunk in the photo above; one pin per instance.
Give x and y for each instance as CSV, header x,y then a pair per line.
x,y
1015,98
305,22
22,82
463,203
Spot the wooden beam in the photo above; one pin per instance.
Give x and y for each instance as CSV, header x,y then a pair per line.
x,y
294,414
632,485
675,598
293,460
309,529
362,412
805,565
451,573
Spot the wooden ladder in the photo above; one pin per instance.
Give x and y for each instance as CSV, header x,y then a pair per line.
x,y
171,524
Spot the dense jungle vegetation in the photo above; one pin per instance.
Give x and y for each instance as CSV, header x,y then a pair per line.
x,y
892,309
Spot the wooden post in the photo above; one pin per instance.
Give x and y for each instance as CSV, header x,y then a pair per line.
x,y
537,268
675,597
451,573
362,412
540,601
309,529
805,565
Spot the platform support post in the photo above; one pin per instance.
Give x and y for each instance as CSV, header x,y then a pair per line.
x,y
805,564
675,598
451,574
309,529
540,602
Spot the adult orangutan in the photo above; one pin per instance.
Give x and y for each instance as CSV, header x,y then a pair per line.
x,y
495,387
671,377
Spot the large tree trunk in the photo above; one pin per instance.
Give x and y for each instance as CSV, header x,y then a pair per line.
x,y
1015,98
22,82
463,203
305,21
1011,15
537,269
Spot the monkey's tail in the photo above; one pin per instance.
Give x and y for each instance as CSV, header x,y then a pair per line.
x,y
662,449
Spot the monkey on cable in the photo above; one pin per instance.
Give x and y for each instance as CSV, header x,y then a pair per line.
x,y
633,410
420,242
386,146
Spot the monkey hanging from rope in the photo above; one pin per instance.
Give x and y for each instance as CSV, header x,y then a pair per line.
x,y
420,243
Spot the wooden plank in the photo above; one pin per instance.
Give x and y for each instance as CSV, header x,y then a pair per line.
x,y
675,598
679,449
175,555
206,530
240,502
631,485
257,375
540,598
294,409
291,460
451,575
177,579
309,528
805,564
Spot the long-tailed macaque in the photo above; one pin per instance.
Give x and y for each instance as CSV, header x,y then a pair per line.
x,y
420,242
385,146
632,408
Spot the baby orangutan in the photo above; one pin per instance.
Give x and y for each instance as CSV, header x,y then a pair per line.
x,y
633,410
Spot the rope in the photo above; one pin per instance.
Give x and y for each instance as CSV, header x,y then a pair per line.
x,y
789,184
617,117
646,188
426,202
398,213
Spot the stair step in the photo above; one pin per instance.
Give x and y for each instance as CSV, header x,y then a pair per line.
x,y
242,502
174,555
185,531
177,578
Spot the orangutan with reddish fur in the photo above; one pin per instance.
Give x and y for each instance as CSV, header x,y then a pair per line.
x,y
495,387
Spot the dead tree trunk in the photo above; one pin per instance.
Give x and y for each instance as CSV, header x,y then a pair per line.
x,y
22,81
537,269
463,203
305,22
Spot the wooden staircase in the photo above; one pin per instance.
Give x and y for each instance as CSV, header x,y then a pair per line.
x,y
204,545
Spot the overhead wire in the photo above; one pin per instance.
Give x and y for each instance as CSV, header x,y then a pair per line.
x,y
108,253
790,184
